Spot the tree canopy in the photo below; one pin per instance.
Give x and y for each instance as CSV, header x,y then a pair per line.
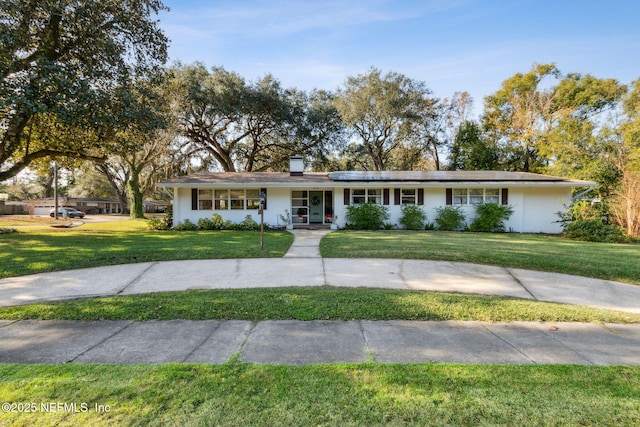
x,y
545,121
381,110
251,126
66,71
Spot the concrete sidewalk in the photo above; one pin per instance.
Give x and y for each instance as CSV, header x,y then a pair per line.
x,y
299,343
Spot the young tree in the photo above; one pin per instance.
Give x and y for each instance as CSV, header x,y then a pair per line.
x,y
625,203
630,128
68,65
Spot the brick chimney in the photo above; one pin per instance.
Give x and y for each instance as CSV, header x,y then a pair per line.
x,y
296,166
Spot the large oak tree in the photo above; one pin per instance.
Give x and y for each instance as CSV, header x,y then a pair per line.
x,y
66,68
251,126
381,109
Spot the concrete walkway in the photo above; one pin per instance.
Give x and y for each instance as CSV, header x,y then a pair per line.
x,y
297,343
294,342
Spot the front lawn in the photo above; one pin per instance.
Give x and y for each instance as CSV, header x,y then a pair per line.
x,y
238,394
40,249
618,262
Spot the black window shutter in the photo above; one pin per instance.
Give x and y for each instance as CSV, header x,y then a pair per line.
x,y
421,196
194,199
347,196
505,196
264,190
449,196
396,196
385,196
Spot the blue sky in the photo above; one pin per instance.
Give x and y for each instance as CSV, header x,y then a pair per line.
x,y
451,45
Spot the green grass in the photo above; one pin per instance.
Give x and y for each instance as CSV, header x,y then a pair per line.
x,y
618,262
238,394
312,304
41,249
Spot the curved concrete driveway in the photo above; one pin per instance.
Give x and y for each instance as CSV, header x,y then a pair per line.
x,y
303,266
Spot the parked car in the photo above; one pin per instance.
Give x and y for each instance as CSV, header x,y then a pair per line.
x,y
70,213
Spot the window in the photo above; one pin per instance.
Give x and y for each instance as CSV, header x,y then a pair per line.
x,y
366,195
408,196
237,199
299,199
492,195
475,196
205,200
300,207
222,200
253,199
358,196
460,196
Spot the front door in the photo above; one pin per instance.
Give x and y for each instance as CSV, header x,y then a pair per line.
x,y
316,207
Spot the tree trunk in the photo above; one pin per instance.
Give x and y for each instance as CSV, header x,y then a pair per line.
x,y
122,198
136,199
48,187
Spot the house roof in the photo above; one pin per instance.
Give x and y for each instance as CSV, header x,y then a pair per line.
x,y
430,178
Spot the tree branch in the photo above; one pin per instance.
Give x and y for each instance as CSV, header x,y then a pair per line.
x,y
26,160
